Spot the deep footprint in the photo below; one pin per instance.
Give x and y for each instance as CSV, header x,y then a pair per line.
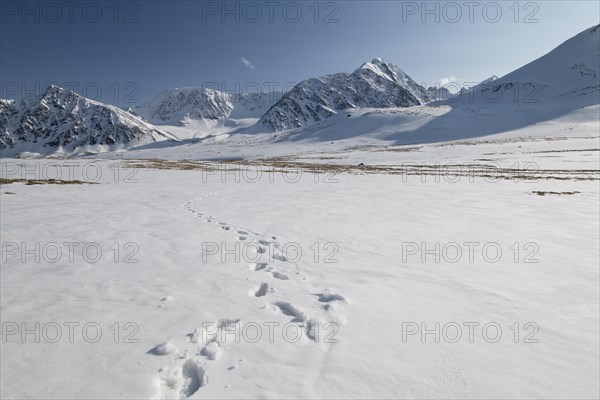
x,y
193,378
280,257
261,290
184,381
279,275
291,311
329,297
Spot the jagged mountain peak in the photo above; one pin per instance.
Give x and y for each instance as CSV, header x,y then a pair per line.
x,y
57,96
378,61
374,63
60,118
375,84
52,89
382,68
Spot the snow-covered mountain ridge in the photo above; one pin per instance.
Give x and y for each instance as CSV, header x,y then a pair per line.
x,y
377,100
376,84
178,104
62,119
571,69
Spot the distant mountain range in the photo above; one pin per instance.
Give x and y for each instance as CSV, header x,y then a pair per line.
x,y
62,120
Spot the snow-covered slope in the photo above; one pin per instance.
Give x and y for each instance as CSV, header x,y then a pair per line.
x,y
62,119
570,72
488,80
375,84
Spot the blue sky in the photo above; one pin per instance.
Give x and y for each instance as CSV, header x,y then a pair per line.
x,y
125,52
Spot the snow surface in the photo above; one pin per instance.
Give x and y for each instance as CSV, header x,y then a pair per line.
x,y
328,232
370,294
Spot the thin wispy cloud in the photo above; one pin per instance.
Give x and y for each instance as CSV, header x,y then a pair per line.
x,y
247,63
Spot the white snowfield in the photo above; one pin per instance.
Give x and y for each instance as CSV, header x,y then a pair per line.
x,y
454,270
447,250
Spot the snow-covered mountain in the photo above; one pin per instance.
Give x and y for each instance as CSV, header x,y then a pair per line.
x,y
570,72
62,119
376,84
173,106
374,98
563,85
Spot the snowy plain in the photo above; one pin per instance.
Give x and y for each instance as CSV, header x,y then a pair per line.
x,y
359,267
